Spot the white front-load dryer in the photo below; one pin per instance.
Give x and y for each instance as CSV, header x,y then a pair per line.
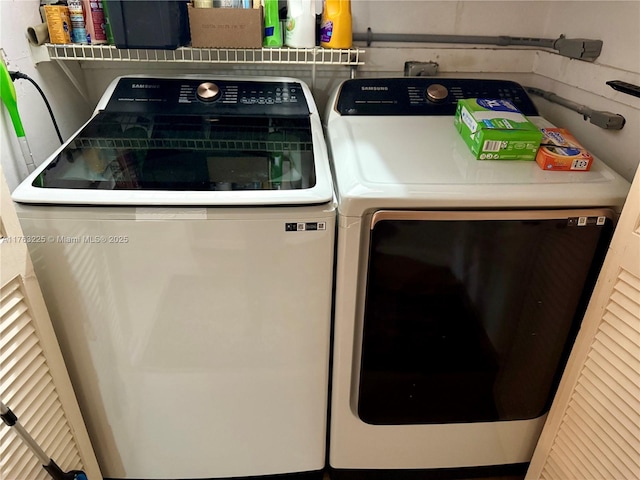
x,y
183,239
460,283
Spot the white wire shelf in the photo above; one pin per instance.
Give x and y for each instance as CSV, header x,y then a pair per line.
x,y
298,56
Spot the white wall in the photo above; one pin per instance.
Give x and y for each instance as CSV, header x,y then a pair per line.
x,y
70,111
616,23
450,17
613,22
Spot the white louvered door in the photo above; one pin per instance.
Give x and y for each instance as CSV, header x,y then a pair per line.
x,y
593,429
33,377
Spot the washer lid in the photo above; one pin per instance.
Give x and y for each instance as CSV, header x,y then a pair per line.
x,y
140,158
417,162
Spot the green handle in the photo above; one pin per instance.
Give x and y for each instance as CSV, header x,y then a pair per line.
x,y
9,98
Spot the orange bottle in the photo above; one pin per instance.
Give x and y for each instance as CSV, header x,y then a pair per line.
x,y
335,28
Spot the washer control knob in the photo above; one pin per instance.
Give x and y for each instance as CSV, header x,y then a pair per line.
x,y
208,91
437,93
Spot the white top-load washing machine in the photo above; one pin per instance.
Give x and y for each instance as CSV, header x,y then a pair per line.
x,y
460,283
183,239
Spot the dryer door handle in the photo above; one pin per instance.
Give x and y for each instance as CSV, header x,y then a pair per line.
x,y
471,215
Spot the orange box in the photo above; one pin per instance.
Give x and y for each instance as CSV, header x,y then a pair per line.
x,y
559,150
58,23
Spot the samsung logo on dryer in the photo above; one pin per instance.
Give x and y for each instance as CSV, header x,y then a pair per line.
x,y
144,85
375,89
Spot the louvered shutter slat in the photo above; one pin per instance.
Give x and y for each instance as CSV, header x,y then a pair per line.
x,y
27,387
598,436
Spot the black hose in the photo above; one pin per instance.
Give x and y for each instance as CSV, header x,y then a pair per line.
x,y
24,76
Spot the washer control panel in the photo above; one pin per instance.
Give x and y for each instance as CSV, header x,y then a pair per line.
x,y
424,96
208,97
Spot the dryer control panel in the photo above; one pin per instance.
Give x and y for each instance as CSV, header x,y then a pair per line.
x,y
206,97
424,96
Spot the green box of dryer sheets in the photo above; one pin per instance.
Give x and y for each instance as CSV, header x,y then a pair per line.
x,y
495,129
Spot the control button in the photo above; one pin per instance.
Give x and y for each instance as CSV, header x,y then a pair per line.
x,y
437,92
208,92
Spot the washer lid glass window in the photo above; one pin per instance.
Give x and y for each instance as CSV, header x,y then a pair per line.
x,y
124,151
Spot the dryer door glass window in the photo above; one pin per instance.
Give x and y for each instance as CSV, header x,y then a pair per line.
x,y
472,321
120,151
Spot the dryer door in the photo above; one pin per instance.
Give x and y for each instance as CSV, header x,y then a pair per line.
x,y
469,316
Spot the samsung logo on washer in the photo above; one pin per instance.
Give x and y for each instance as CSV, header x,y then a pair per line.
x,y
376,89
144,85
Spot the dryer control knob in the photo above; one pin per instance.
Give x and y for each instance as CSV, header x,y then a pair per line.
x,y
208,92
437,93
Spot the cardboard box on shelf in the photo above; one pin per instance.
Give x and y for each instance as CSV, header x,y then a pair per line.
x,y
495,129
225,27
561,151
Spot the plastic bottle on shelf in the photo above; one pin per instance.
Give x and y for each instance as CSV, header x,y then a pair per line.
x,y
300,29
94,21
78,30
107,23
335,28
272,32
